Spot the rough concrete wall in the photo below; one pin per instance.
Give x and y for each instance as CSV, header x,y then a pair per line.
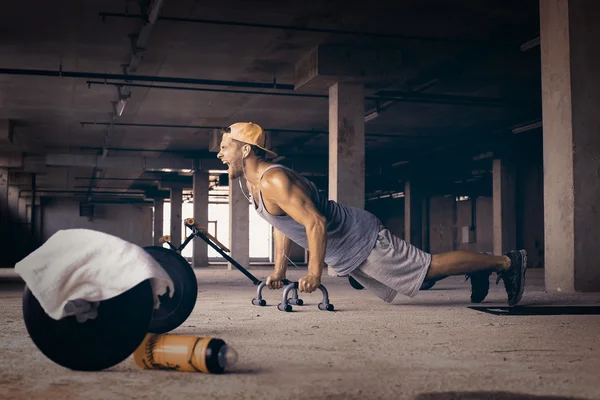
x,y
446,226
484,233
390,212
445,222
442,224
584,32
463,220
530,209
129,222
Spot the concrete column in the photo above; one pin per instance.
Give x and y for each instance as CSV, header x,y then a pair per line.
x,y
413,215
176,218
19,238
38,222
23,210
13,204
503,207
158,221
347,145
200,254
571,123
4,218
425,243
239,225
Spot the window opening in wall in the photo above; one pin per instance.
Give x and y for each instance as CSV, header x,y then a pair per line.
x,y
260,234
212,228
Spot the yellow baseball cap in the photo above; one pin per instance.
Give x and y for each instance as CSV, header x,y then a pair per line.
x,y
251,133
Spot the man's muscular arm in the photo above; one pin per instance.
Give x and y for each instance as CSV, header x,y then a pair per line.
x,y
282,249
289,195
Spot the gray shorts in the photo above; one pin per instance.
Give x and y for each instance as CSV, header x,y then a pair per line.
x,y
393,267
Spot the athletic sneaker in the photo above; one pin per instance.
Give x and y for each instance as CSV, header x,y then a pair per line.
x,y
514,276
480,284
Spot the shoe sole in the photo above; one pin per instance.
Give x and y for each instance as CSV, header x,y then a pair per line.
x,y
522,278
484,295
476,301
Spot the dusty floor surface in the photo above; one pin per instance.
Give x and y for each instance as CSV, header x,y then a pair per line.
x,y
431,347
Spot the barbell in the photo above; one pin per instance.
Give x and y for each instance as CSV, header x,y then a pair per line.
x,y
121,323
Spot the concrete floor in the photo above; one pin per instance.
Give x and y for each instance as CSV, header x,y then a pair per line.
x,y
431,347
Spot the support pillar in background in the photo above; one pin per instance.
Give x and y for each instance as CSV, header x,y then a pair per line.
x,y
570,99
200,189
19,238
413,215
176,217
13,205
158,221
4,218
38,223
347,145
425,234
345,70
504,208
239,225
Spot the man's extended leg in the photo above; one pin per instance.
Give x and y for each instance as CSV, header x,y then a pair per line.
x,y
464,262
510,267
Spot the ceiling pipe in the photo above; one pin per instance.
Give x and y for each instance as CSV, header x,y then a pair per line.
x,y
209,127
395,96
197,127
441,99
297,28
121,201
82,192
102,187
121,163
527,127
196,89
195,153
530,44
138,46
139,41
78,178
143,78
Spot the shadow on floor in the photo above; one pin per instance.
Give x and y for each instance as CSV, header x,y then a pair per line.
x,y
487,396
540,310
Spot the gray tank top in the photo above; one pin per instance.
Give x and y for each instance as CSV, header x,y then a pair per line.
x,y
351,232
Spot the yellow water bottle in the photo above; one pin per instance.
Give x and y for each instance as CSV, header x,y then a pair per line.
x,y
185,353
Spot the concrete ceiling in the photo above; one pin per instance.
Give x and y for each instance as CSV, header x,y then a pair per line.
x,y
464,51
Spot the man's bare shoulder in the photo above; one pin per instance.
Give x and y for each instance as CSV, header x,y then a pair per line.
x,y
276,179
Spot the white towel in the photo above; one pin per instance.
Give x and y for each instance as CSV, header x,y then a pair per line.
x,y
77,268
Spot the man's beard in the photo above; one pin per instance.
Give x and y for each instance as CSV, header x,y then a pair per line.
x,y
235,171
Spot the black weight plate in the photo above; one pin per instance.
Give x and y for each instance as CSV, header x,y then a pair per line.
x,y
173,311
96,344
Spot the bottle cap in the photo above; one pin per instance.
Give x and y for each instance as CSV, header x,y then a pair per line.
x,y
228,357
